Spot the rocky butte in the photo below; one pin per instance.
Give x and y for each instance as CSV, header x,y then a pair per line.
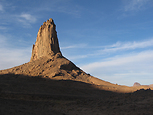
x,y
47,61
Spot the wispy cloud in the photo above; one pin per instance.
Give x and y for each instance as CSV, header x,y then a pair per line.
x,y
1,8
74,46
76,57
11,56
109,49
26,19
2,40
135,5
127,46
121,60
3,28
122,67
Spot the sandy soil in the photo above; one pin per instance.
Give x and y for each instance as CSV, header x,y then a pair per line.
x,y
35,95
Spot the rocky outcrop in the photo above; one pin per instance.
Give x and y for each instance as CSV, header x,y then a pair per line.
x,y
151,85
47,41
136,84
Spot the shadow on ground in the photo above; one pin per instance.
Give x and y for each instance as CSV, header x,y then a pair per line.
x,y
21,94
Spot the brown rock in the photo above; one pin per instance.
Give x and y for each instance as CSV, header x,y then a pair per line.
x,y
136,84
47,41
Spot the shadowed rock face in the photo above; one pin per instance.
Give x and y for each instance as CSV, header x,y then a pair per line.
x,y
47,41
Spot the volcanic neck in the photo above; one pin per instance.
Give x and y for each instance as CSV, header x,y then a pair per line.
x,y
47,41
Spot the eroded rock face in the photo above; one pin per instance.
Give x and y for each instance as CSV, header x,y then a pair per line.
x,y
47,41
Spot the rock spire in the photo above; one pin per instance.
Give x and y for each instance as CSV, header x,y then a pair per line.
x,y
47,41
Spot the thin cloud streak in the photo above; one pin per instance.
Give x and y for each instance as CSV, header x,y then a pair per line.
x,y
11,57
3,28
135,5
3,40
74,46
127,46
102,50
118,69
77,57
1,8
26,19
122,60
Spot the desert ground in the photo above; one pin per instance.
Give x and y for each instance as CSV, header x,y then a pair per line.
x,y
26,95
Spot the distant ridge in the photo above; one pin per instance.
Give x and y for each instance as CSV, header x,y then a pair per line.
x,y
47,61
136,84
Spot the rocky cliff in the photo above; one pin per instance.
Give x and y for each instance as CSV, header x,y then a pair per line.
x,y
47,41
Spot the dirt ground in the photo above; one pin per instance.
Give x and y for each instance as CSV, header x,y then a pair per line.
x,y
25,95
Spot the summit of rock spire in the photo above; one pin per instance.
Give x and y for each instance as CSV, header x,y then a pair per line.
x,y
47,41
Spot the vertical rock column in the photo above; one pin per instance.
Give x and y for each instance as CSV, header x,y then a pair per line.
x,y
47,41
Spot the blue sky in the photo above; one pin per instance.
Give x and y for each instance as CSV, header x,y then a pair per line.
x,y
110,39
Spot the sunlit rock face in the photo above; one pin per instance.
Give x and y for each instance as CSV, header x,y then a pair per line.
x,y
47,41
